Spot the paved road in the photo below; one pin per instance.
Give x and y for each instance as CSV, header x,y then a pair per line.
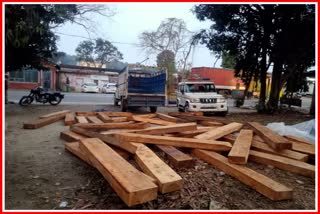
x,y
107,99
69,98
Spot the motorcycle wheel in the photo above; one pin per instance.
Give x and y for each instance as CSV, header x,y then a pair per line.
x,y
55,100
25,101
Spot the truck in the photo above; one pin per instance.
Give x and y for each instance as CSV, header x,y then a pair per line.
x,y
200,95
138,87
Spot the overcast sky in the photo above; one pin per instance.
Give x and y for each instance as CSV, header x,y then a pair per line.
x,y
131,20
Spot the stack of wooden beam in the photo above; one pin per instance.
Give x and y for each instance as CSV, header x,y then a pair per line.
x,y
106,140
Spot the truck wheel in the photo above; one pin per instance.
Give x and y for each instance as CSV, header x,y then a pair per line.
x,y
115,102
124,105
153,109
186,107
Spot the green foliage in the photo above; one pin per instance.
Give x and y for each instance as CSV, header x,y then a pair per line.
x,y
100,52
228,61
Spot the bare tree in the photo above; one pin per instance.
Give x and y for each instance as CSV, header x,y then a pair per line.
x,y
172,35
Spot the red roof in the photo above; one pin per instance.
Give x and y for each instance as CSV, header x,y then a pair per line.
x,y
220,76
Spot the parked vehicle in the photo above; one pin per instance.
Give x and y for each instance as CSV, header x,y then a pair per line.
x,y
200,96
141,88
90,87
38,94
109,88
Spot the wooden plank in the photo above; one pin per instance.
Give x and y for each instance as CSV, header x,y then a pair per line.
x,y
152,115
217,133
120,119
167,179
193,118
64,112
152,121
263,147
284,163
210,123
42,122
303,148
168,129
200,130
69,119
125,125
131,185
94,119
71,136
125,145
105,118
73,147
78,113
176,157
262,184
240,150
167,118
298,140
82,119
273,139
174,141
118,114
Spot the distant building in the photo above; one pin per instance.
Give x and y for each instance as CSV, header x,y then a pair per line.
x,y
78,75
28,78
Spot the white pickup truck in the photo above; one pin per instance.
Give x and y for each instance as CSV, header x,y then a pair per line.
x,y
200,96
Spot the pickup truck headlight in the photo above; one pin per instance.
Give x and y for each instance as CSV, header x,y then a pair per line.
x,y
195,100
221,100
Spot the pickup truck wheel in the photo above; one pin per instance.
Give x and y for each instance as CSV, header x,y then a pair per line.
x,y
186,107
115,101
153,109
124,105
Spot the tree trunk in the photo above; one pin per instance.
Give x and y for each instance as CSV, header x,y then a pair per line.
x,y
263,79
275,87
313,107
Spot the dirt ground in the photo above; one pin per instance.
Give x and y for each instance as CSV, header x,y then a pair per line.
x,y
40,174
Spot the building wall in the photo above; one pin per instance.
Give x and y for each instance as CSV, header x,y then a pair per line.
x,y
222,78
77,79
23,85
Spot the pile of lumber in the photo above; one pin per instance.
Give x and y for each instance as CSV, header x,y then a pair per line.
x,y
107,140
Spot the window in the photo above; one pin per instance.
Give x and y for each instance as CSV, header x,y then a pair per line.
x,y
24,75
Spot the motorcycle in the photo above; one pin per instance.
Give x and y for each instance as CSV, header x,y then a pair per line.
x,y
40,95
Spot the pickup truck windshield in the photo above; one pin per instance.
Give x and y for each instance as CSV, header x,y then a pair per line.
x,y
191,88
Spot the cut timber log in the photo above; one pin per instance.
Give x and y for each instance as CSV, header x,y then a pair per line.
x,y
283,163
120,119
273,139
167,179
125,125
298,140
64,112
200,130
125,145
82,119
240,150
194,118
69,119
210,123
94,119
105,118
152,115
176,157
152,121
167,118
86,113
73,147
42,122
168,129
217,133
71,136
131,185
174,141
262,184
263,147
